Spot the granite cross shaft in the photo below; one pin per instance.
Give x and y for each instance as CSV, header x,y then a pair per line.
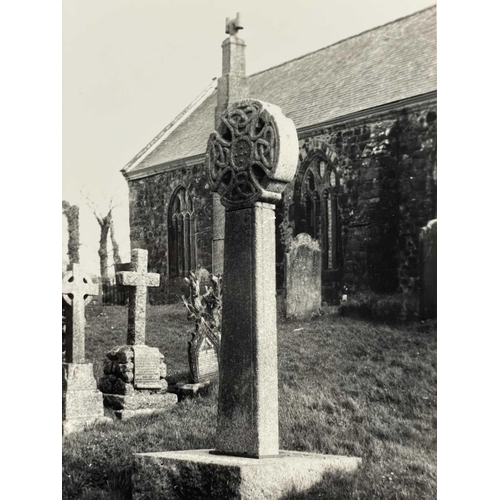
x,y
138,279
77,288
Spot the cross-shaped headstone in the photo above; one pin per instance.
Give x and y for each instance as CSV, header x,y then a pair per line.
x,y
233,25
77,289
139,280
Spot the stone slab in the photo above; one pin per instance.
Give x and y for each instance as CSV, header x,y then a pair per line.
x,y
79,424
140,401
198,474
203,360
128,414
146,367
184,391
303,277
81,404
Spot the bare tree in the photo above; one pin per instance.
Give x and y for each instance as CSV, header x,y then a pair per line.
x,y
104,218
72,215
114,243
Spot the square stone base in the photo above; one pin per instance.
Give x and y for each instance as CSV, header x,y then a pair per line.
x,y
144,403
78,424
81,401
184,390
197,474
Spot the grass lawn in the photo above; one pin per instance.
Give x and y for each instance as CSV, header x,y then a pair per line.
x,y
346,387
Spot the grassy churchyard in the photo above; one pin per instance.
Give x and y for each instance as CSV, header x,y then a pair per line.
x,y
346,387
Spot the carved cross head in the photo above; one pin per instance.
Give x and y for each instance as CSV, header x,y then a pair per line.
x,y
233,25
76,284
252,155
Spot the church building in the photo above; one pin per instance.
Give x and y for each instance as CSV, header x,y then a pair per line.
x,y
365,110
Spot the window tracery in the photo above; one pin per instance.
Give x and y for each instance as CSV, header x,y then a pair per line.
x,y
181,234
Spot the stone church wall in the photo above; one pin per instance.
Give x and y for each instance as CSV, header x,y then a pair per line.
x,y
386,192
386,166
149,200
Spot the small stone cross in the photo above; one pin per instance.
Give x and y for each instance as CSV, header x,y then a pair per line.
x,y
77,289
139,280
233,25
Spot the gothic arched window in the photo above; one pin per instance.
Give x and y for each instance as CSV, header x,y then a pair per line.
x,y
319,200
181,234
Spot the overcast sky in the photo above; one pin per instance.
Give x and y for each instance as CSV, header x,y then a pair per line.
x,y
130,66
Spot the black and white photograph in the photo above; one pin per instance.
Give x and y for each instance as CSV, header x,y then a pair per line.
x,y
249,250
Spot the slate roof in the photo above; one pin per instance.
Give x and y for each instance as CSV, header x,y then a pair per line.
x,y
386,64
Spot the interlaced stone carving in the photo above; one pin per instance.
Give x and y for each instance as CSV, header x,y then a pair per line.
x,y
243,154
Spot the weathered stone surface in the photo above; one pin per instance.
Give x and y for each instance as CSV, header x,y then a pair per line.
x,y
120,370
138,279
248,382
232,87
146,367
135,372
184,391
140,401
82,403
77,289
121,354
428,290
199,475
110,384
78,424
407,200
205,365
77,377
303,277
251,157
150,227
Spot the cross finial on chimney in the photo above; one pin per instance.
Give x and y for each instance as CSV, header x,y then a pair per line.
x,y
233,25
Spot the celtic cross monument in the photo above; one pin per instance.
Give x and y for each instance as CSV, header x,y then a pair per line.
x,y
82,403
251,157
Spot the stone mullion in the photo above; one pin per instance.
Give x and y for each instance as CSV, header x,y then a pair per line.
x,y
187,242
327,230
180,245
193,241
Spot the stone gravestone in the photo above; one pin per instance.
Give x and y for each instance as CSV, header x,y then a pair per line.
x,y
428,259
203,348
82,403
134,380
303,277
204,309
251,157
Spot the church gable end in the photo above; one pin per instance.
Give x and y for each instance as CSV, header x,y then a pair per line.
x,y
174,223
